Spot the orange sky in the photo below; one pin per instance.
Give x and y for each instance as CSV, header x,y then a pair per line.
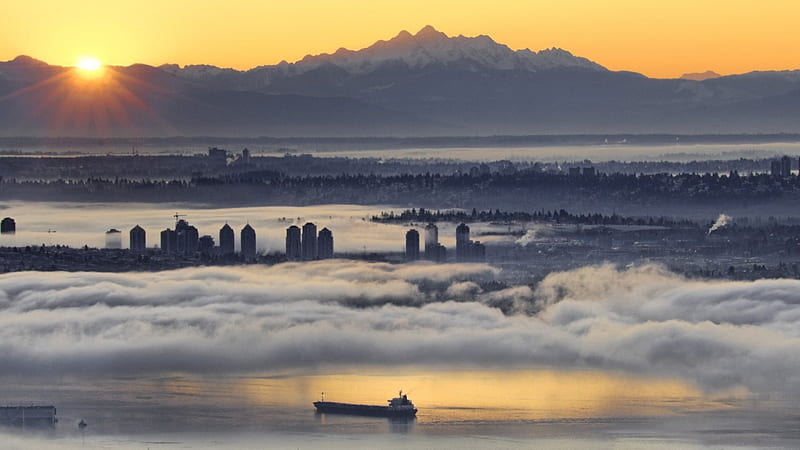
x,y
657,38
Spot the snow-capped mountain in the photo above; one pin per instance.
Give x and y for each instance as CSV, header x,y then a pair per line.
x,y
427,48
431,47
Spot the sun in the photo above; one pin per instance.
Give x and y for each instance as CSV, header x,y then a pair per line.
x,y
89,64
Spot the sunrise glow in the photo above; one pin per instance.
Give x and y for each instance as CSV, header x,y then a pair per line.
x,y
720,35
89,64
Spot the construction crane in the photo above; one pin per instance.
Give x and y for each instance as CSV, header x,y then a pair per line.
x,y
178,218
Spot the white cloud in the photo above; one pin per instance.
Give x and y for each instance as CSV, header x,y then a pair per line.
x,y
644,320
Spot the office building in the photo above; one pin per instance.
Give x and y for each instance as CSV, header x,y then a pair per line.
x,y
227,240
431,242
187,238
462,242
138,239
467,249
169,241
325,244
775,168
293,244
8,226
412,245
309,242
248,242
206,245
786,166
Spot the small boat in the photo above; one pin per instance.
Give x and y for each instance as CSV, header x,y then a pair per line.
x,y
399,406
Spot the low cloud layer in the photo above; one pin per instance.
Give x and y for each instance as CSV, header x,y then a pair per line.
x,y
643,320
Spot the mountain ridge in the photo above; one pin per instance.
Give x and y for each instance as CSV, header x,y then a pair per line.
x,y
423,84
427,47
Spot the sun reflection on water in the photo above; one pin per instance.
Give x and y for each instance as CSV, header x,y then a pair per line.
x,y
490,395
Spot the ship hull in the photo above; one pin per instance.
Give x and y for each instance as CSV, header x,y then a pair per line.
x,y
28,415
362,410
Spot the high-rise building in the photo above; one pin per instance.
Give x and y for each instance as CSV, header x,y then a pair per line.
x,y
206,245
113,238
309,242
467,249
138,239
187,238
8,226
775,168
412,245
437,253
218,154
227,240
786,166
477,251
462,242
431,240
169,241
325,244
248,238
293,244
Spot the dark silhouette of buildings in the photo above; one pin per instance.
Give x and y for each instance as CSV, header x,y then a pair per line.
x,y
227,240
248,238
206,245
309,242
293,244
462,242
775,168
8,226
184,240
786,166
217,154
477,251
138,239
467,249
169,243
187,238
325,244
412,245
113,238
434,251
781,167
431,238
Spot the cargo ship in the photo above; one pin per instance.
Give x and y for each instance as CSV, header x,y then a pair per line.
x,y
399,406
24,415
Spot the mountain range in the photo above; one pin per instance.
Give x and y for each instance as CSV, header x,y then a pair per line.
x,y
422,84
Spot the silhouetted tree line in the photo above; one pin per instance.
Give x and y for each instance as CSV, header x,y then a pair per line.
x,y
454,189
554,216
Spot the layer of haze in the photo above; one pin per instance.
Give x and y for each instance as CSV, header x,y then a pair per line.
x,y
655,38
